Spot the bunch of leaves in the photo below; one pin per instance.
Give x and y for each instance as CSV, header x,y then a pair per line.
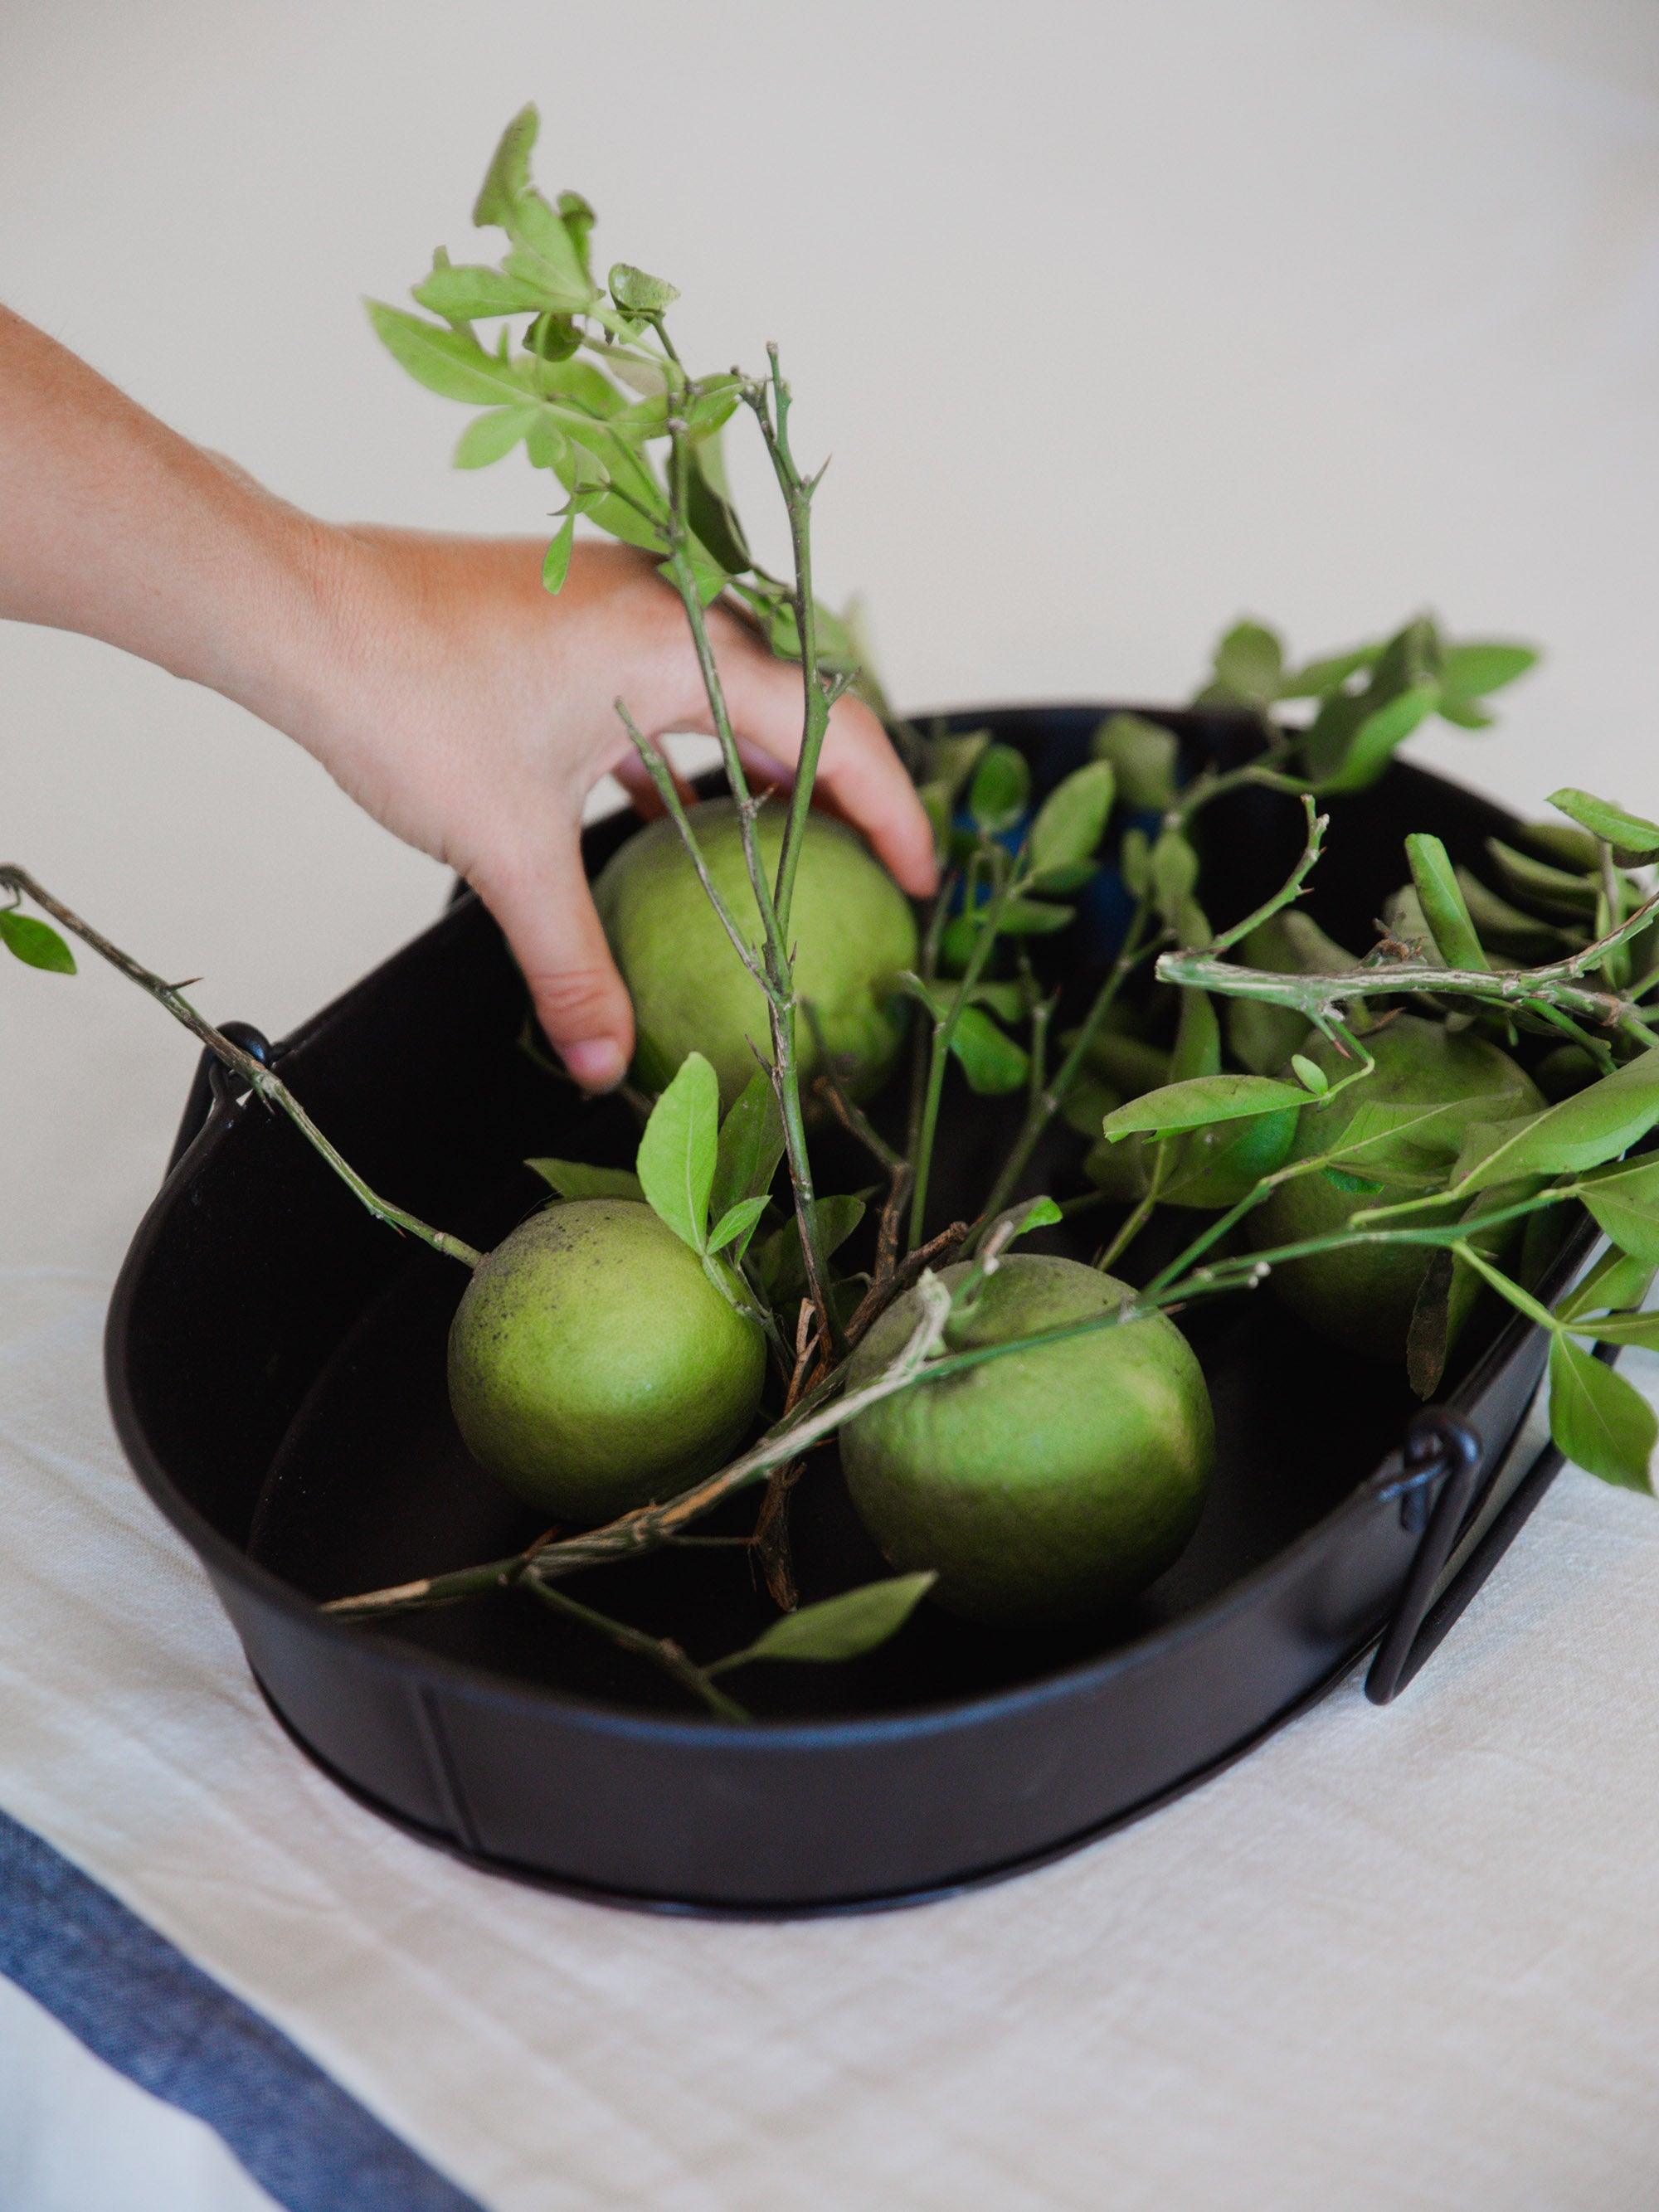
x,y
580,374
1353,710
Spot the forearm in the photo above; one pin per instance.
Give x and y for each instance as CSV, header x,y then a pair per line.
x,y
117,527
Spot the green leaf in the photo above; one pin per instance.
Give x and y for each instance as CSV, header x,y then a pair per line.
x,y
1070,823
1594,1126
751,1144
546,446
1447,917
1355,1186
463,295
1633,1228
1040,1214
1023,917
1625,1202
737,1224
1628,834
843,1627
556,566
1194,1104
578,218
1352,737
1143,757
553,336
1386,1136
779,1261
449,362
1507,929
1174,872
37,943
1135,862
705,408
1448,1290
1293,944
952,758
1311,1076
1379,736
678,1149
1637,1328
1565,843
508,173
544,254
1129,1063
576,1179
1616,1280
1556,890
715,519
1599,1421
1017,917
990,1059
1250,664
490,437
638,294
1320,678
1000,790
1007,1001
1474,670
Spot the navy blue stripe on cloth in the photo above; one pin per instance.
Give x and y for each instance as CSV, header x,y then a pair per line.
x,y
136,2002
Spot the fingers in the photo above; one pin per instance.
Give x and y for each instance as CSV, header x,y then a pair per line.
x,y
858,771
546,912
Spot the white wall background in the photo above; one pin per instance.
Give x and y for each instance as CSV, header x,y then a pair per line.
x,y
1118,319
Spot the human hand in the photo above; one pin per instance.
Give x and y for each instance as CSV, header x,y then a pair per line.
x,y
472,714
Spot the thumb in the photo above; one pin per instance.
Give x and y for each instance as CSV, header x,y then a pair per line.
x,y
546,912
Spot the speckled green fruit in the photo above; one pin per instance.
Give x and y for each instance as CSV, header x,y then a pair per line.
x,y
593,1365
1363,1298
1045,1485
851,927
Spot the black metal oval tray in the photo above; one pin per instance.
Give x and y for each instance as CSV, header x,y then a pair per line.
x,y
275,1365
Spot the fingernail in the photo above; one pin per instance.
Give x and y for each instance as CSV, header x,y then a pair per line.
x,y
596,1063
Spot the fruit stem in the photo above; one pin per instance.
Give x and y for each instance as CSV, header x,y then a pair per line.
x,y
945,1028
259,1078
1046,1103
779,975
771,406
661,1651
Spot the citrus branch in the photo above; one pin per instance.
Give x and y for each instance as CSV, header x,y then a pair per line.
x,y
258,1078
1556,984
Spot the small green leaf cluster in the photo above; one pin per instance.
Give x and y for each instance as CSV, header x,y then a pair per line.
x,y
584,377
1358,707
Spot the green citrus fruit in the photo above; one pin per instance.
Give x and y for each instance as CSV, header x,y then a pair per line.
x,y
593,1365
1044,1485
851,927
1363,1298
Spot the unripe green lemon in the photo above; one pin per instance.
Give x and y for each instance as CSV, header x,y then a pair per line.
x,y
1044,1485
1363,1298
850,925
593,1365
